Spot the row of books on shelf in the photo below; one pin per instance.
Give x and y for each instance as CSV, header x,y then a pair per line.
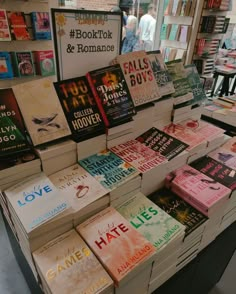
x,y
170,53
26,64
175,32
205,47
224,5
179,7
204,66
16,25
95,212
213,24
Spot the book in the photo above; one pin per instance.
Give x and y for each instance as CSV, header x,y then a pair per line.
x,y
80,108
179,209
66,262
217,171
108,169
23,65
224,156
41,25
197,189
6,70
161,73
151,221
119,247
41,109
161,142
230,145
139,77
13,138
112,95
184,33
174,32
44,62
5,34
17,24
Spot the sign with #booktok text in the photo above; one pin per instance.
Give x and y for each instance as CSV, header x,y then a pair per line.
x,y
84,40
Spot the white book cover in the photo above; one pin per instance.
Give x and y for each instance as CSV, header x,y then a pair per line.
x,y
41,110
35,201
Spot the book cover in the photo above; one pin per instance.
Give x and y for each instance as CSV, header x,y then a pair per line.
x,y
35,201
17,24
224,156
138,155
217,171
139,77
108,169
161,73
6,70
80,187
116,243
23,64
174,31
69,266
80,108
230,144
5,34
164,32
44,62
161,142
41,25
42,111
112,94
183,91
151,221
179,209
184,33
196,188
13,137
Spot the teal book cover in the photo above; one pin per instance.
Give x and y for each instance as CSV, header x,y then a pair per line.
x,y
173,32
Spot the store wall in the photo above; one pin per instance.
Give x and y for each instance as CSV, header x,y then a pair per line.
x,y
98,4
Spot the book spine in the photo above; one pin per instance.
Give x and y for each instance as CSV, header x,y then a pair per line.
x,y
97,99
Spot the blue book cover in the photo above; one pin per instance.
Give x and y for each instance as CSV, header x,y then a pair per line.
x,y
109,169
41,25
6,71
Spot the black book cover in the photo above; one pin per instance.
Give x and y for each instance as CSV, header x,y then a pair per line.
x,y
80,108
178,209
217,171
163,143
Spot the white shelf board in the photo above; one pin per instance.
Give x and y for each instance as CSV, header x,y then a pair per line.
x,y
174,44
182,20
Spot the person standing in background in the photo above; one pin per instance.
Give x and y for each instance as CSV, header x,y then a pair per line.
x,y
131,38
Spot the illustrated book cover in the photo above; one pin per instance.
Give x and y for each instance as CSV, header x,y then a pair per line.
x,y
17,24
41,25
5,34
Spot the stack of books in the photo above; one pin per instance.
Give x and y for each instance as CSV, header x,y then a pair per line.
x,y
163,110
212,24
160,229
117,176
205,66
205,47
67,264
206,195
193,220
143,120
122,250
217,5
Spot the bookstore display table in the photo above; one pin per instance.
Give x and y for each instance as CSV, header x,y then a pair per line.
x,y
199,276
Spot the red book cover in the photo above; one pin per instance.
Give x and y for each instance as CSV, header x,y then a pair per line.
x,y
4,27
17,23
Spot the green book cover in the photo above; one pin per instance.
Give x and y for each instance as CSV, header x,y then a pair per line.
x,y
173,32
163,35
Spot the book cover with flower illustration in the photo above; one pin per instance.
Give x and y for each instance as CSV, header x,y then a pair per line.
x,y
41,110
163,143
79,186
179,209
151,221
118,246
67,265
108,169
138,155
225,156
197,189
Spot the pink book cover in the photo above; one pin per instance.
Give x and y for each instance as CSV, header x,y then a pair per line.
x,y
230,145
196,188
138,155
225,156
185,134
118,246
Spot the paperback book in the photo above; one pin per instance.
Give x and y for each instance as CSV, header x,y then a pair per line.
x,y
5,34
41,25
44,62
224,156
112,95
80,108
230,145
17,24
42,111
6,71
23,65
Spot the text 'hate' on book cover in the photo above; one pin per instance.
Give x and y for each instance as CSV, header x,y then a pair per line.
x,y
112,94
79,186
35,201
139,77
12,130
116,243
17,24
69,266
5,34
42,111
41,25
151,221
80,108
163,143
161,73
196,188
217,171
224,156
179,209
108,169
138,155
